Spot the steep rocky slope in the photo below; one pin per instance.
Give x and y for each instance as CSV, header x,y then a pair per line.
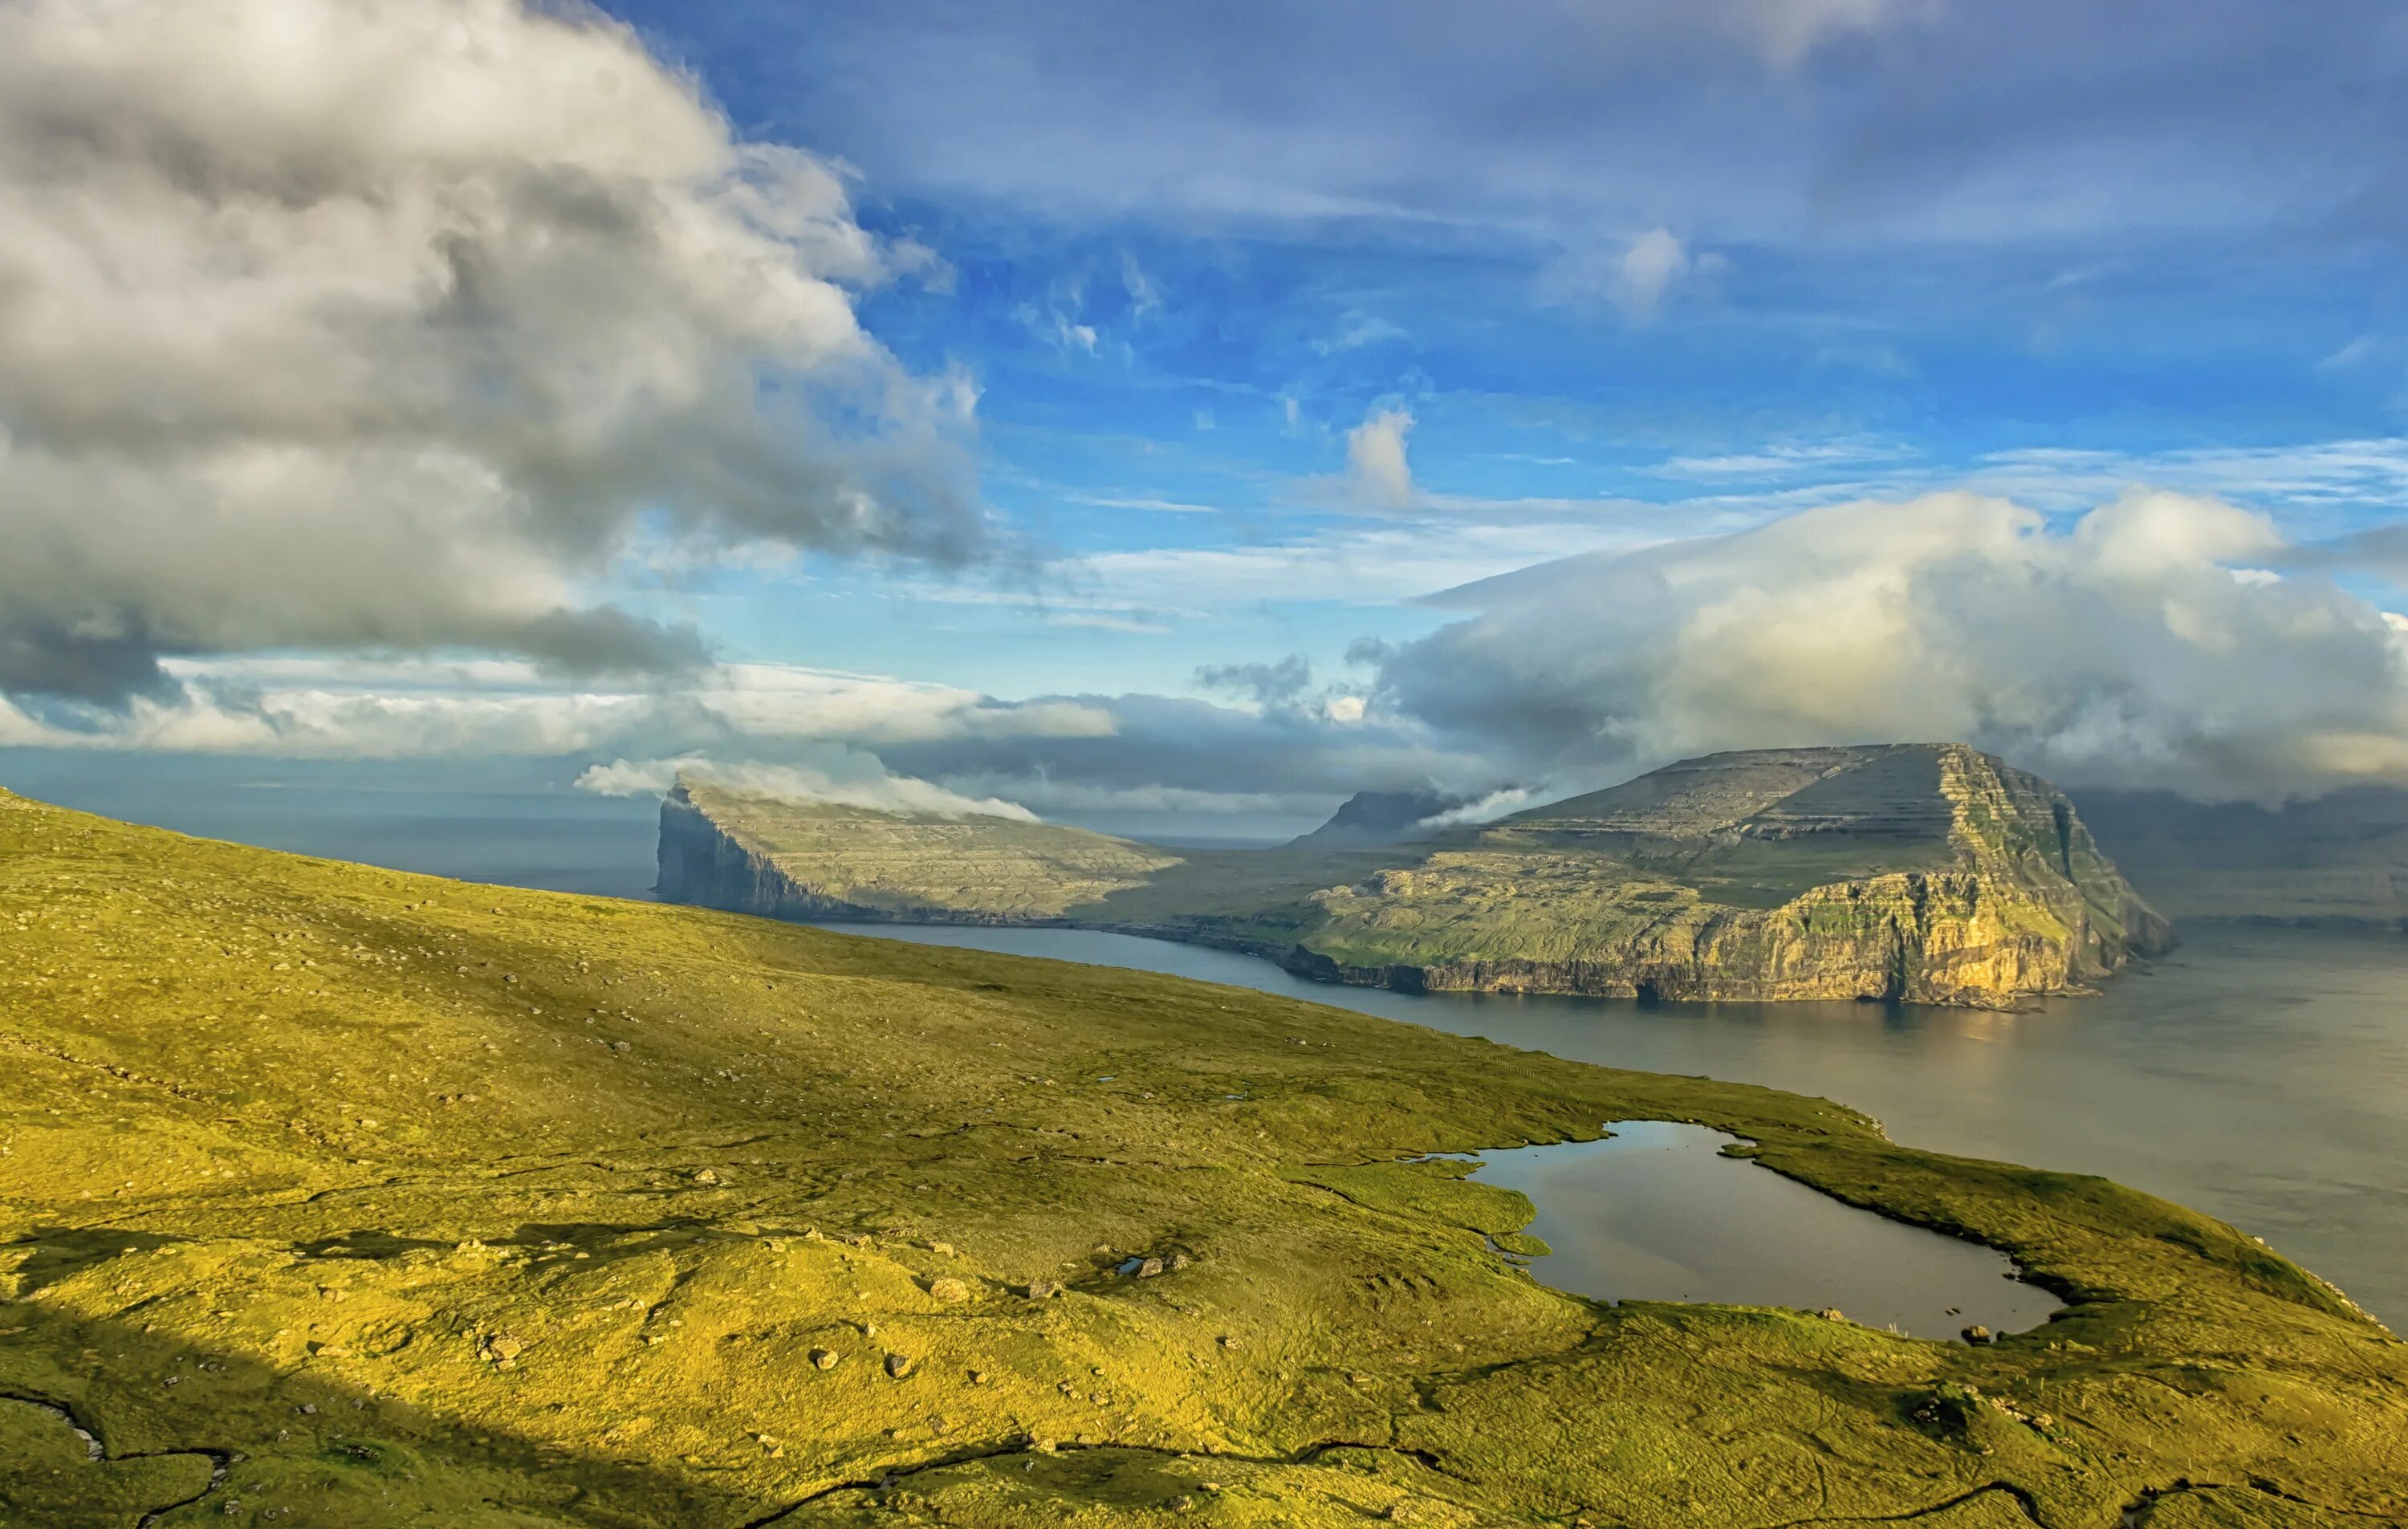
x,y
1920,873
342,1198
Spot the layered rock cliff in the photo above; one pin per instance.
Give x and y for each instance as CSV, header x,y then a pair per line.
x,y
1917,873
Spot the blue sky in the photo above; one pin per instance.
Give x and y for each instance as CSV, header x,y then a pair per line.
x,y
1187,251
1092,405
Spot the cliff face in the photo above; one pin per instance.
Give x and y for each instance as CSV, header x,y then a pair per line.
x,y
1926,874
702,863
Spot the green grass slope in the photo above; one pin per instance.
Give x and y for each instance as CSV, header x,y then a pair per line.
x,y
336,1196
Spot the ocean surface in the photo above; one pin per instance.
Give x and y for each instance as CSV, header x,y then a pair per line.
x,y
2260,1074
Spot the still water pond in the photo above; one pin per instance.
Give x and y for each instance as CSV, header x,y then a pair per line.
x,y
1655,1212
2258,1074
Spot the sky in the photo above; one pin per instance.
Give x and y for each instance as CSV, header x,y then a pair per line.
x,y
1168,415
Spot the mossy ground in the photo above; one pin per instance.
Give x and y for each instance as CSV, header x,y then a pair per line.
x,y
337,1197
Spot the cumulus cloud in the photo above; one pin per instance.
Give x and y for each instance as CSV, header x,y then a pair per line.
x,y
347,325
839,777
1376,471
2145,643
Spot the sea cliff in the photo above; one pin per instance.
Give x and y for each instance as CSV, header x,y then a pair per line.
x,y
1916,873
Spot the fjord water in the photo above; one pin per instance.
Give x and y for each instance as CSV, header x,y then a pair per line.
x,y
2258,1074
1655,1212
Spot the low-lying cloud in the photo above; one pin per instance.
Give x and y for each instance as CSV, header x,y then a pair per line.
x,y
369,327
2151,641
839,777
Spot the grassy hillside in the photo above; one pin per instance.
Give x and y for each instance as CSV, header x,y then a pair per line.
x,y
334,1197
1925,872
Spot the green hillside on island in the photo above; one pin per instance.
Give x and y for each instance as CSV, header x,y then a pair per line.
x,y
1931,873
338,1196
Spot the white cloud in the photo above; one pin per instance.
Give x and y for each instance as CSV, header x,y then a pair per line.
x,y
1639,277
1487,809
1376,470
841,778
1654,261
2120,650
1145,292
391,347
1361,329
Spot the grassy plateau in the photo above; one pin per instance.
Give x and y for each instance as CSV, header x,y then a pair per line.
x,y
338,1196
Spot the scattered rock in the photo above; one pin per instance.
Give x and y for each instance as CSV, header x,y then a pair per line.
x,y
1043,1289
1147,1268
502,1348
704,1176
1832,1313
1179,1261
949,1289
824,1359
1977,1333
899,1365
942,1249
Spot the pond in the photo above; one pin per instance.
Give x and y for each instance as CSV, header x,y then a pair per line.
x,y
1656,1213
2258,1074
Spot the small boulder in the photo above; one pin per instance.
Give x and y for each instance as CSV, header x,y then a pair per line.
x,y
1147,1268
1977,1333
1831,1313
705,1176
899,1365
949,1289
1043,1289
824,1359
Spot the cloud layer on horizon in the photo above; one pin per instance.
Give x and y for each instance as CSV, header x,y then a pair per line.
x,y
2161,639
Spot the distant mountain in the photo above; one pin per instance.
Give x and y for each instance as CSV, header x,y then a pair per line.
x,y
2339,861
1927,872
1380,817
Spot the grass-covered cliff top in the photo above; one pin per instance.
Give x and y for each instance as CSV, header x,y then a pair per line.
x,y
336,1196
